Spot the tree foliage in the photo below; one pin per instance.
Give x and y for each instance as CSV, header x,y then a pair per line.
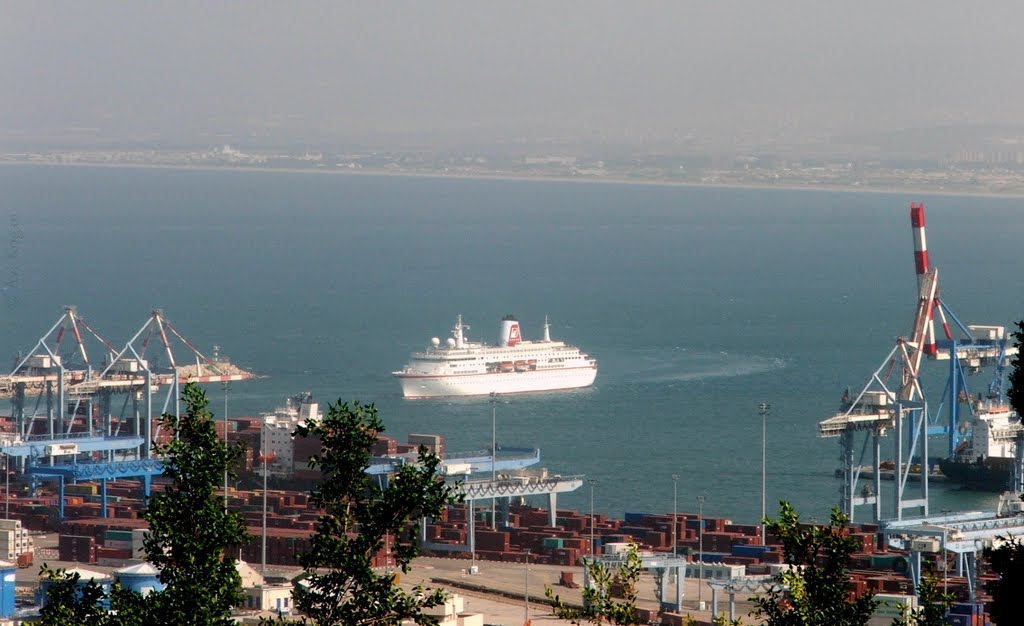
x,y
358,516
1015,394
191,540
1007,561
600,605
815,591
191,537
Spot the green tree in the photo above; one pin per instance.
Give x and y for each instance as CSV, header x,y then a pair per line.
x,y
191,539
69,601
815,591
1007,561
932,604
600,605
358,515
1015,394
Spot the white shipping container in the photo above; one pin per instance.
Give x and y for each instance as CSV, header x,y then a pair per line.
x,y
992,333
43,361
616,548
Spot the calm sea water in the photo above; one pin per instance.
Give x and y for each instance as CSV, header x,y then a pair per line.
x,y
698,302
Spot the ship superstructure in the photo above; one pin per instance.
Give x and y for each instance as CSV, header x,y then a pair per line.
x,y
459,367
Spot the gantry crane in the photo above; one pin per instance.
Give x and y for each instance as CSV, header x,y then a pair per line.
x,y
885,401
64,422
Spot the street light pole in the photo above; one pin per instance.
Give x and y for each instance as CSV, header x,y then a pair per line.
x,y
945,564
700,549
675,500
226,443
592,482
263,562
494,453
763,409
526,589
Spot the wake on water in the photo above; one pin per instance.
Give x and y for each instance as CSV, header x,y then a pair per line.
x,y
682,365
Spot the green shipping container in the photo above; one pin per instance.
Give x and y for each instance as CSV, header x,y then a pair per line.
x,y
119,535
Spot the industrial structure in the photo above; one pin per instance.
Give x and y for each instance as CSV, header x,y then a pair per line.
x,y
668,570
83,409
894,398
963,535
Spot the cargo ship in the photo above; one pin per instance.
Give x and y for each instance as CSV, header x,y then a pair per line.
x,y
459,367
984,461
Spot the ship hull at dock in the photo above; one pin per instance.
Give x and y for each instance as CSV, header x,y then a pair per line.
x,y
414,386
991,474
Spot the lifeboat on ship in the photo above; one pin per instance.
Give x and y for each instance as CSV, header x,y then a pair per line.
x,y
520,366
506,366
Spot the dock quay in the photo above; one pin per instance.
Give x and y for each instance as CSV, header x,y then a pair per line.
x,y
867,472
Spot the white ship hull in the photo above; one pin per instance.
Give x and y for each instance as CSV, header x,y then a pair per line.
x,y
503,383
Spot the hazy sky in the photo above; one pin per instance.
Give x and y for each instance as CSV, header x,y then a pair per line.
x,y
167,67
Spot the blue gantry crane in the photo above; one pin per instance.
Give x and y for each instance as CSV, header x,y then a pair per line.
x,y
85,410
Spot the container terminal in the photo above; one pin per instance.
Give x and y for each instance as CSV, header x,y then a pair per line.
x,y
77,445
494,557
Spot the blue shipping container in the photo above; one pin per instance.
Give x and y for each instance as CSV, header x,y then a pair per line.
x,y
636,533
956,619
748,550
962,608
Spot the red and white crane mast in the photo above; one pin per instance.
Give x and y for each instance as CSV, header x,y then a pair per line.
x,y
927,284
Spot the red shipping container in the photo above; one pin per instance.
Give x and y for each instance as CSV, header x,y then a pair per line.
x,y
112,553
655,539
673,619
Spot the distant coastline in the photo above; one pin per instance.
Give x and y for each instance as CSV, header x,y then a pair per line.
x,y
540,177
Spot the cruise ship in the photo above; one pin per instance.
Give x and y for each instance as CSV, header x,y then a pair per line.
x,y
459,367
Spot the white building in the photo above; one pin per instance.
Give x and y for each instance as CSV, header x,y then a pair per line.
x,y
261,596
272,598
453,613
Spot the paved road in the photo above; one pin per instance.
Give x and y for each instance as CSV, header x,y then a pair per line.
x,y
510,578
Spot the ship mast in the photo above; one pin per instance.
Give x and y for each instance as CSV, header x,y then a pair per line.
x,y
457,332
547,330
